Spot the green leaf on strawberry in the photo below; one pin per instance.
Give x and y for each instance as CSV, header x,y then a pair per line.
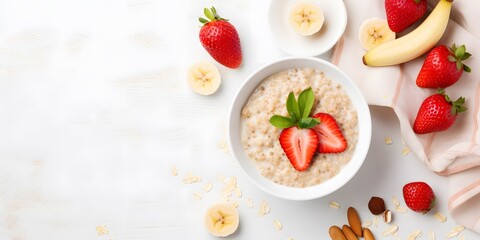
x,y
281,121
459,54
305,102
299,111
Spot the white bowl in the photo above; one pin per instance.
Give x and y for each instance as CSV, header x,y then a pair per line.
x,y
319,43
249,166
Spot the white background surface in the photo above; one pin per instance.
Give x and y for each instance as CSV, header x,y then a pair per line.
x,y
95,111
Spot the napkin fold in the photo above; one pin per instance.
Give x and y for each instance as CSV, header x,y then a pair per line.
x,y
454,153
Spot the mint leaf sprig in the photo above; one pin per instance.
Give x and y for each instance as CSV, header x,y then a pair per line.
x,y
299,111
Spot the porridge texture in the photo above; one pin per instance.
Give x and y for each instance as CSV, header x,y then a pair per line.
x,y
260,138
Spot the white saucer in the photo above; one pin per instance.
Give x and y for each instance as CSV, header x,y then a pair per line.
x,y
317,44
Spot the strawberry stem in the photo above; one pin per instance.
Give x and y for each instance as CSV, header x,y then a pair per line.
x,y
457,106
212,16
459,54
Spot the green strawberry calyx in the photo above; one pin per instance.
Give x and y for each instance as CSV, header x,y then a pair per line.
x,y
459,54
211,16
457,105
299,111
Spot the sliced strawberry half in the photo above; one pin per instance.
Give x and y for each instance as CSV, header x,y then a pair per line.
x,y
330,137
299,145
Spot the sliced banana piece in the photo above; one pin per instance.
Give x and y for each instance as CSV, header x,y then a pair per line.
x,y
373,32
222,219
306,18
204,78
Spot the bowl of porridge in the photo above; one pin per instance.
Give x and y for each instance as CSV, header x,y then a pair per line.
x,y
255,143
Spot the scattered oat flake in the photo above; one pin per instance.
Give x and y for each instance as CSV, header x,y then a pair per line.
x,y
405,150
367,224
224,146
431,235
388,140
267,208
278,225
250,203
235,204
102,230
197,196
452,234
264,208
375,221
174,171
190,178
440,217
461,237
334,205
233,181
415,234
290,238
459,228
395,201
401,209
221,178
226,194
238,192
390,230
208,187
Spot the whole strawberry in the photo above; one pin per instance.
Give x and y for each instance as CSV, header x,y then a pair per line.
x,y
437,113
403,13
443,67
220,39
419,196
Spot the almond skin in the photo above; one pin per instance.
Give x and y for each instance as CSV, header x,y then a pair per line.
x,y
348,232
354,221
336,233
367,234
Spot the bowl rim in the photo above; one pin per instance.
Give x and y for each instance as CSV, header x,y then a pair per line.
x,y
311,192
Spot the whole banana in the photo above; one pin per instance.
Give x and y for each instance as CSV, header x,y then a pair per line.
x,y
415,43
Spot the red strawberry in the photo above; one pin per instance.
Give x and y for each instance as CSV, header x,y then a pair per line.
x,y
299,145
419,196
403,13
220,39
437,113
330,138
443,67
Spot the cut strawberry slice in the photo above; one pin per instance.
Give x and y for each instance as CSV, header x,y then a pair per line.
x,y
299,145
330,137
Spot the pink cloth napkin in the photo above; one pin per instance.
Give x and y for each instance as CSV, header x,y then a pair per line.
x,y
454,153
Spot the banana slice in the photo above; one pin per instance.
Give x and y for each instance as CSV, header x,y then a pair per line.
x,y
373,32
204,78
222,219
306,18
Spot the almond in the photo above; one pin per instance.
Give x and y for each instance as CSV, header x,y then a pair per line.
x,y
376,205
367,234
354,221
336,233
348,232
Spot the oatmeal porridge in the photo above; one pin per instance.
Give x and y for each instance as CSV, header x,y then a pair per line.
x,y
260,138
